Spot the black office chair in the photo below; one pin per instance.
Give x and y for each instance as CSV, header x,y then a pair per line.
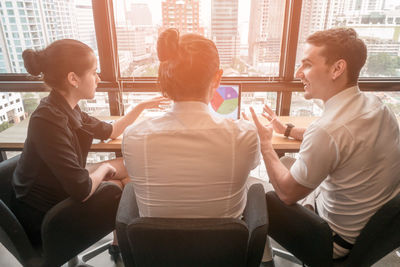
x,y
192,242
309,238
68,228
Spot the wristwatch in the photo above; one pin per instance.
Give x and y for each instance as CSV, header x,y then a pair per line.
x,y
289,127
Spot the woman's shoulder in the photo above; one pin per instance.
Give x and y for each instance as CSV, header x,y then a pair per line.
x,y
49,113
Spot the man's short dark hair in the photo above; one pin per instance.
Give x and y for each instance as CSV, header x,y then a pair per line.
x,y
342,43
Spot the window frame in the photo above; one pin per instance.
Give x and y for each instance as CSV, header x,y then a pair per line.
x,y
284,84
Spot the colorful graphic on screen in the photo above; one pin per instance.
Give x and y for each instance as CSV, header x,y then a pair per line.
x,y
226,101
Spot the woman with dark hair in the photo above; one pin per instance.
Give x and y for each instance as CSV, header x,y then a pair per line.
x,y
53,161
189,163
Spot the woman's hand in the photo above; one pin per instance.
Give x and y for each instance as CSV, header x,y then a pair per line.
x,y
120,125
155,102
111,171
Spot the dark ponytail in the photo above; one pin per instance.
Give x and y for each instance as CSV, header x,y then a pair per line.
x,y
33,61
57,60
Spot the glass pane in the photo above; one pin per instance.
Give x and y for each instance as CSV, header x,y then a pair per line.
x,y
247,33
391,99
13,108
133,98
35,24
257,101
303,107
376,21
98,106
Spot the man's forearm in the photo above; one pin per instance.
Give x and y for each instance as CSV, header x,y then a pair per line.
x,y
297,133
276,171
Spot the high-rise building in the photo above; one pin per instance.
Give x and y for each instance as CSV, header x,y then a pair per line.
x,y
85,23
11,108
32,24
139,15
135,36
181,14
224,29
265,32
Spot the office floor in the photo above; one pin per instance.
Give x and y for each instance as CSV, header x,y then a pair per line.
x,y
104,260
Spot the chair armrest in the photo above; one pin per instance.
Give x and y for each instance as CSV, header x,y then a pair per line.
x,y
299,230
256,217
14,238
71,227
127,212
7,168
128,209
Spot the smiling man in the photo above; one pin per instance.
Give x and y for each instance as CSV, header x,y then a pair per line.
x,y
348,164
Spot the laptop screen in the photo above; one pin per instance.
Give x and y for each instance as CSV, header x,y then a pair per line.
x,y
226,101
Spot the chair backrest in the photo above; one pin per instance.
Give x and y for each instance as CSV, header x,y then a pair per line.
x,y
188,242
192,242
380,236
12,235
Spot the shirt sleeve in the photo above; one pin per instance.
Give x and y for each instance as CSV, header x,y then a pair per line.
x,y
54,145
318,156
100,129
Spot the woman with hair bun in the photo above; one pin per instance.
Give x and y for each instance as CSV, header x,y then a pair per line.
x,y
189,163
53,161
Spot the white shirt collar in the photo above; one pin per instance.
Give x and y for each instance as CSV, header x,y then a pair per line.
x,y
189,106
340,99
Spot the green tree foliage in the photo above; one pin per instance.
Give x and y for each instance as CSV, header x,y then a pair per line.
x,y
5,125
382,65
30,102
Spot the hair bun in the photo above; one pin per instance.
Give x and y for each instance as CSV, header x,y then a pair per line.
x,y
168,44
32,61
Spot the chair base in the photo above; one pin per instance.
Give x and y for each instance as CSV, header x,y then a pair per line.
x,y
286,255
81,259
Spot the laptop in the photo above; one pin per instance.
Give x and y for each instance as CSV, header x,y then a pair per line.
x,y
226,101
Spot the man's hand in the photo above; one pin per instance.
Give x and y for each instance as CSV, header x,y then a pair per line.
x,y
270,115
264,132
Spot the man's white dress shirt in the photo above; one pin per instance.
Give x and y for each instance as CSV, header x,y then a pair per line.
x,y
189,163
353,154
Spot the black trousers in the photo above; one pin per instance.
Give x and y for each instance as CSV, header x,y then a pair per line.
x,y
300,231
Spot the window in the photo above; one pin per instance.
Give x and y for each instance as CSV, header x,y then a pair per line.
x,y
379,34
73,18
373,23
249,41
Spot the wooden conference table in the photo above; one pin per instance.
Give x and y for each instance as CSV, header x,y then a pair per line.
x,y
13,138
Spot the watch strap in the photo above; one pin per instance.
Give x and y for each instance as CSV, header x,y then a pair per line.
x,y
289,128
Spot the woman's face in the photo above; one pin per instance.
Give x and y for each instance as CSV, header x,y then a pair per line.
x,y
87,83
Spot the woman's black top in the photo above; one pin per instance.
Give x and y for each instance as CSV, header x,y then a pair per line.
x,y
52,164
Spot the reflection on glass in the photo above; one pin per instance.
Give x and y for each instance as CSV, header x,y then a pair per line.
x,y
247,33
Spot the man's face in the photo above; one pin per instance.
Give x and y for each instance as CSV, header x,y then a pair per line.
x,y
314,73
